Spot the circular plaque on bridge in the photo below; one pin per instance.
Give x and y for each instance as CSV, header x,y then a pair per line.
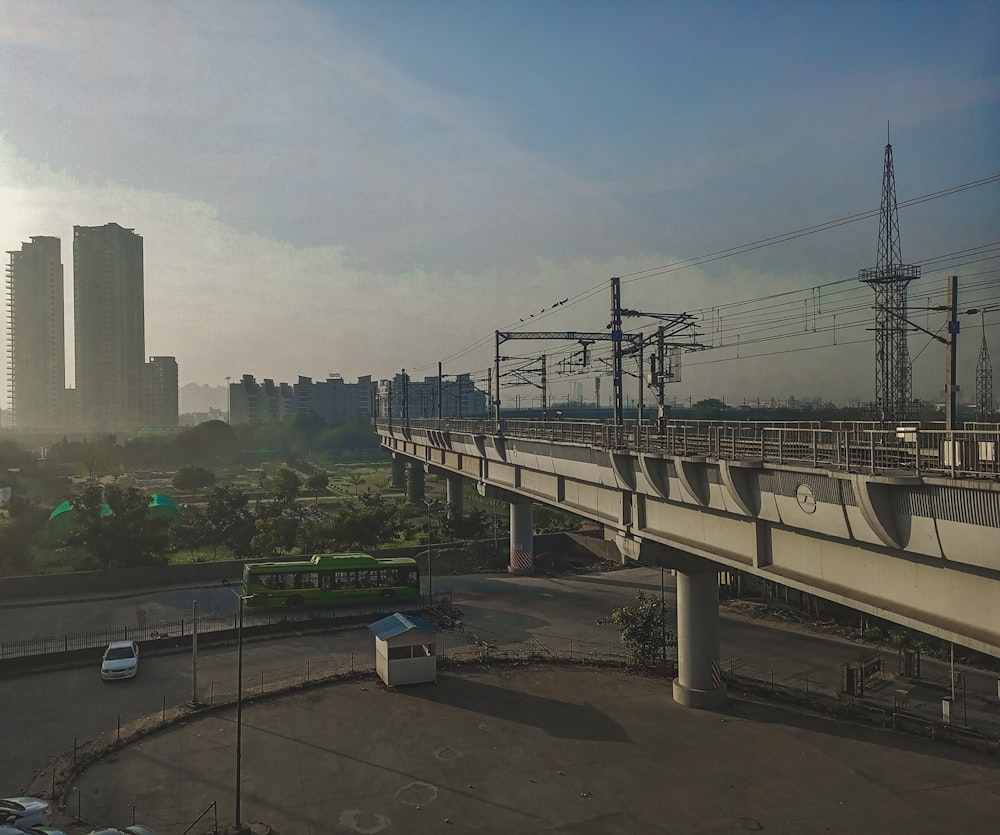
x,y
806,498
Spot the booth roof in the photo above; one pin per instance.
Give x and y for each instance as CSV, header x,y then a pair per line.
x,y
397,624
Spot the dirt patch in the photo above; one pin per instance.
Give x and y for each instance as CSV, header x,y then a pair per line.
x,y
777,612
552,563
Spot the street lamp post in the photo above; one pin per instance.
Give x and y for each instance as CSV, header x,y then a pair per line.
x,y
238,821
430,553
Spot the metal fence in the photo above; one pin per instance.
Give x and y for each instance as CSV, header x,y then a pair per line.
x,y
886,714
861,447
183,628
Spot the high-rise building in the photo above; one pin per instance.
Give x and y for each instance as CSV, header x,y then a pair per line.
x,y
110,326
36,347
161,392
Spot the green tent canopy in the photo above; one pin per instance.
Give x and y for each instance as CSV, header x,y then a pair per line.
x,y
160,504
61,519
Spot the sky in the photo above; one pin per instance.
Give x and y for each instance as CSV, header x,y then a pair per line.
x,y
365,187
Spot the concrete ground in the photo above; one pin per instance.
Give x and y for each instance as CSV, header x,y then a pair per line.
x,y
538,748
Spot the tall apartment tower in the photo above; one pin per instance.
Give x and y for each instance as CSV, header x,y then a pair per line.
x,y
110,326
161,392
36,343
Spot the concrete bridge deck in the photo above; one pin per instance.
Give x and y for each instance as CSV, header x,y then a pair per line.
x,y
900,523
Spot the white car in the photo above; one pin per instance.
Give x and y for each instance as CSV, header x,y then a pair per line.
x,y
24,812
134,829
121,660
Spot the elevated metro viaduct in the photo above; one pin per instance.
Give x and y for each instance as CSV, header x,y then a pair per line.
x,y
907,545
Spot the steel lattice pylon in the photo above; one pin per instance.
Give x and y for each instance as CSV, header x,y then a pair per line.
x,y
889,279
984,380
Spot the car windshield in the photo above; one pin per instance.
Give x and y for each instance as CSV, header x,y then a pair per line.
x,y
116,653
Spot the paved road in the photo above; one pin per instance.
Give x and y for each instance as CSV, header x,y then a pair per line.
x,y
44,712
547,749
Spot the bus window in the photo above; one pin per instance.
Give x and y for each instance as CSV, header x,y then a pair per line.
x,y
308,580
326,581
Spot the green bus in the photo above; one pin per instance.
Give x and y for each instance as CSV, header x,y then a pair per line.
x,y
331,580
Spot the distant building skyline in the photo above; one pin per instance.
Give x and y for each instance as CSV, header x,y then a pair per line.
x,y
35,334
161,395
403,396
115,389
270,402
110,334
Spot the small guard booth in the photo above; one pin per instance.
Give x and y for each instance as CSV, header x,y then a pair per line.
x,y
405,649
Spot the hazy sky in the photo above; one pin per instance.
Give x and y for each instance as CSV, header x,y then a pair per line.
x,y
360,187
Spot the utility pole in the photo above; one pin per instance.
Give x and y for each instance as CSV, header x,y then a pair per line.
x,y
496,375
616,348
194,652
545,392
951,409
439,391
406,398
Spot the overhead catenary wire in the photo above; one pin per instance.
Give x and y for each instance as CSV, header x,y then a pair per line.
x,y
848,288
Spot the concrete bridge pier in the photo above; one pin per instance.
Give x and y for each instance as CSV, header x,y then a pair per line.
x,y
454,484
699,675
415,483
398,472
522,540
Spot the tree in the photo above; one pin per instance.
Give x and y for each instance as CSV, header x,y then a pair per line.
x,y
208,442
17,530
275,535
317,483
285,484
123,535
229,521
369,524
470,525
191,478
643,629
99,458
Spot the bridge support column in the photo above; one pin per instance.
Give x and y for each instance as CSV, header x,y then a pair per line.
x,y
699,676
454,484
399,473
415,484
522,543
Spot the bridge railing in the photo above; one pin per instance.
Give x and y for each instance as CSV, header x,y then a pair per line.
x,y
859,447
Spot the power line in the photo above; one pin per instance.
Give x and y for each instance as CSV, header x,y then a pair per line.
x,y
596,289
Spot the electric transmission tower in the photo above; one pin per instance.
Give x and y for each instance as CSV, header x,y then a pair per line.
x,y
984,379
889,279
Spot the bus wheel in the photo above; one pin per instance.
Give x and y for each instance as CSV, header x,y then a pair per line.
x,y
295,602
387,596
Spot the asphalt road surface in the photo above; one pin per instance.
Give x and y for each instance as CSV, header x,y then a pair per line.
x,y
41,714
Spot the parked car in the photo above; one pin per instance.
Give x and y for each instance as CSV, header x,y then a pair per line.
x,y
24,812
134,829
38,830
121,660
